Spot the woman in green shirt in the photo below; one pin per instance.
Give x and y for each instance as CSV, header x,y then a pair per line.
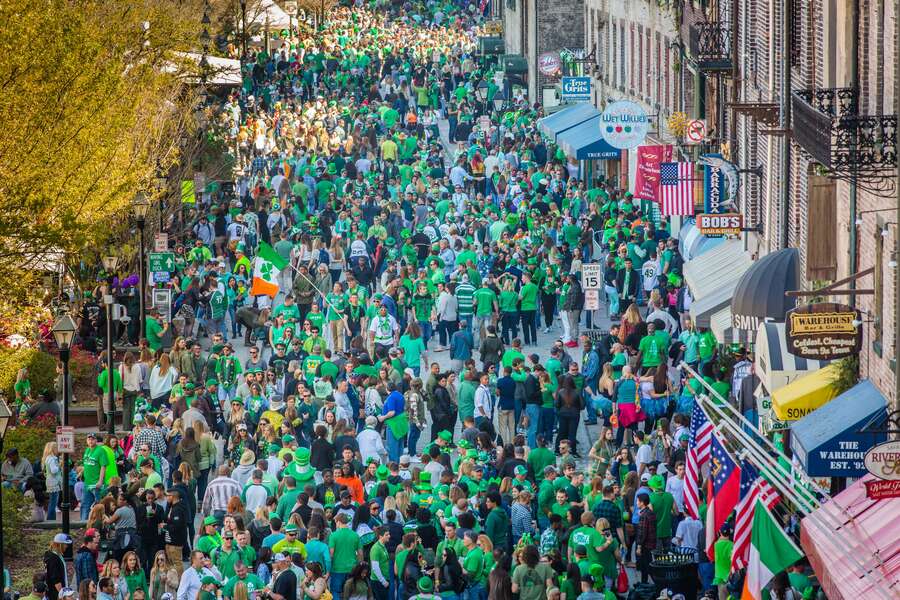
x,y
528,309
133,573
413,347
509,311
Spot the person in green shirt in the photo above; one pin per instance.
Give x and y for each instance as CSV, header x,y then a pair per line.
x,y
589,537
133,573
561,506
540,458
722,553
650,352
379,558
154,330
663,504
528,294
210,539
413,347
532,578
94,463
345,549
242,575
227,555
486,305
496,526
473,564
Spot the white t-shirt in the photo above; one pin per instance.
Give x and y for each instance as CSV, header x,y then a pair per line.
x,y
675,486
643,456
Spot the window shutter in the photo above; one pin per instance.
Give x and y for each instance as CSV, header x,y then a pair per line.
x,y
821,234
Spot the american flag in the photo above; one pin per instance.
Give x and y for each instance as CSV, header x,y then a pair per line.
x,y
676,188
753,487
697,456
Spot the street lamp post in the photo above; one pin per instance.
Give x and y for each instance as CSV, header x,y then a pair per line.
x,y
5,416
140,208
243,29
482,91
64,334
109,264
499,100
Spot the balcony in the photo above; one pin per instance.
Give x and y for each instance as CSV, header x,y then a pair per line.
x,y
827,126
713,47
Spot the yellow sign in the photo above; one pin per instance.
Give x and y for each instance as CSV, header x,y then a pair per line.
x,y
828,322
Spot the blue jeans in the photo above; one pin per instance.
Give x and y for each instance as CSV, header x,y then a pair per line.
x,y
336,584
394,445
88,498
425,326
475,591
589,406
548,422
413,439
51,506
534,418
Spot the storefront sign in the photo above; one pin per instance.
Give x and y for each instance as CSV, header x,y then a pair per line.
x,y
714,187
720,224
842,456
646,180
624,125
882,490
549,63
823,331
883,461
576,89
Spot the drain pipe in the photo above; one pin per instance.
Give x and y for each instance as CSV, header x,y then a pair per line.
x,y
854,85
786,125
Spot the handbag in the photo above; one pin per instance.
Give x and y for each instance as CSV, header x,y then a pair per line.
x,y
622,580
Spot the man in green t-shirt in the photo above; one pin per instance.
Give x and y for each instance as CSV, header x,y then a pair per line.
x,y
650,351
346,552
496,526
94,463
154,330
380,561
473,565
663,504
243,575
486,306
588,537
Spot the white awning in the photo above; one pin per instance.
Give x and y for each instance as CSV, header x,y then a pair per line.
x,y
773,364
712,278
720,325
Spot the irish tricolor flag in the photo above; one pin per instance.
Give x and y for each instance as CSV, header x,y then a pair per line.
x,y
771,552
267,266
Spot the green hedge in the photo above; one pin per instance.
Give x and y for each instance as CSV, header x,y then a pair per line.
x,y
16,513
29,440
41,370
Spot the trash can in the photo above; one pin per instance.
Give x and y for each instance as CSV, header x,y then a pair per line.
x,y
676,571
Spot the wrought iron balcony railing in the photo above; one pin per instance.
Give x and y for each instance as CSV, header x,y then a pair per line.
x,y
828,126
714,47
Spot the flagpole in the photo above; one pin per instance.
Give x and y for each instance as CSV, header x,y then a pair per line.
x,y
823,524
325,298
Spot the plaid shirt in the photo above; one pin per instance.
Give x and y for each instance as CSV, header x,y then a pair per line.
x,y
154,438
609,511
646,529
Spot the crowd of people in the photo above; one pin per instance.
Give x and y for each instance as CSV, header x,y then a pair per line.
x,y
340,459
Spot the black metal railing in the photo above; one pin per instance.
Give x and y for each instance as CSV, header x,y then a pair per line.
x,y
834,102
714,47
827,126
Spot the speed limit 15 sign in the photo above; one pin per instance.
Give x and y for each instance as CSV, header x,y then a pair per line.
x,y
591,277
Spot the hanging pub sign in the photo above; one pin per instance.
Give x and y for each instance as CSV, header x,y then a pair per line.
x,y
720,224
823,331
883,461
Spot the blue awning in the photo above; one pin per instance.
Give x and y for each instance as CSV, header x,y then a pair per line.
x,y
567,118
584,142
829,442
692,243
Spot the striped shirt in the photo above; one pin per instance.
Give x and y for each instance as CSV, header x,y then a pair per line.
x,y
219,491
520,521
465,299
